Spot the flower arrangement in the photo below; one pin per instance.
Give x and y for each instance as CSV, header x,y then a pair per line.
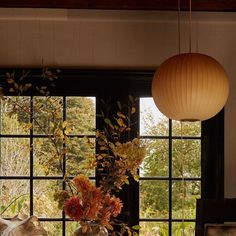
x,y
87,202
116,161
119,155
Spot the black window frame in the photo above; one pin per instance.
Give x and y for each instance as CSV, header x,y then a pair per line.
x,y
117,85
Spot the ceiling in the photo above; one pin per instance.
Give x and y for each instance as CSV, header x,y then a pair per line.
x,y
197,5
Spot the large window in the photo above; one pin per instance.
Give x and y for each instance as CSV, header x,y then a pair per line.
x,y
174,173
29,172
170,177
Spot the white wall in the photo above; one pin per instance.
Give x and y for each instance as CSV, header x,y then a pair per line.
x,y
120,39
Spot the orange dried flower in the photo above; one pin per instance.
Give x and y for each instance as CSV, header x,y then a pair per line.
x,y
105,216
83,184
92,203
73,208
111,207
114,204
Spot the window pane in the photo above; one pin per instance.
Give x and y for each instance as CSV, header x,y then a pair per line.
x,y
46,160
48,114
154,197
188,128
186,228
81,156
80,115
53,228
152,121
17,193
44,204
15,156
71,226
184,198
157,158
153,229
186,154
14,120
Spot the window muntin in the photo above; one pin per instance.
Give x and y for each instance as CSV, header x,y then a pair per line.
x,y
24,177
39,183
170,177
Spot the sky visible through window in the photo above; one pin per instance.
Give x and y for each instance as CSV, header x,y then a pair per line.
x,y
147,105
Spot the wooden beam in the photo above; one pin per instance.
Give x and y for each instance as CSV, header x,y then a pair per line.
x,y
197,5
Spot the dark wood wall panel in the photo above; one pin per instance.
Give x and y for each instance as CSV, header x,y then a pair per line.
x,y
197,5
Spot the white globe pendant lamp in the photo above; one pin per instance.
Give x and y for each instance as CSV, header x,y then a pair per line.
x,y
190,87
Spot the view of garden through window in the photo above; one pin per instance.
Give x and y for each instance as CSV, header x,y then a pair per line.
x,y
29,175
169,176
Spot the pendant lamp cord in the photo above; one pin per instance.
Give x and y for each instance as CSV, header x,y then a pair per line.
x,y
190,26
179,38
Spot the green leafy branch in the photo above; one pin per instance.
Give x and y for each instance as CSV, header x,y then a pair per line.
x,y
11,203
